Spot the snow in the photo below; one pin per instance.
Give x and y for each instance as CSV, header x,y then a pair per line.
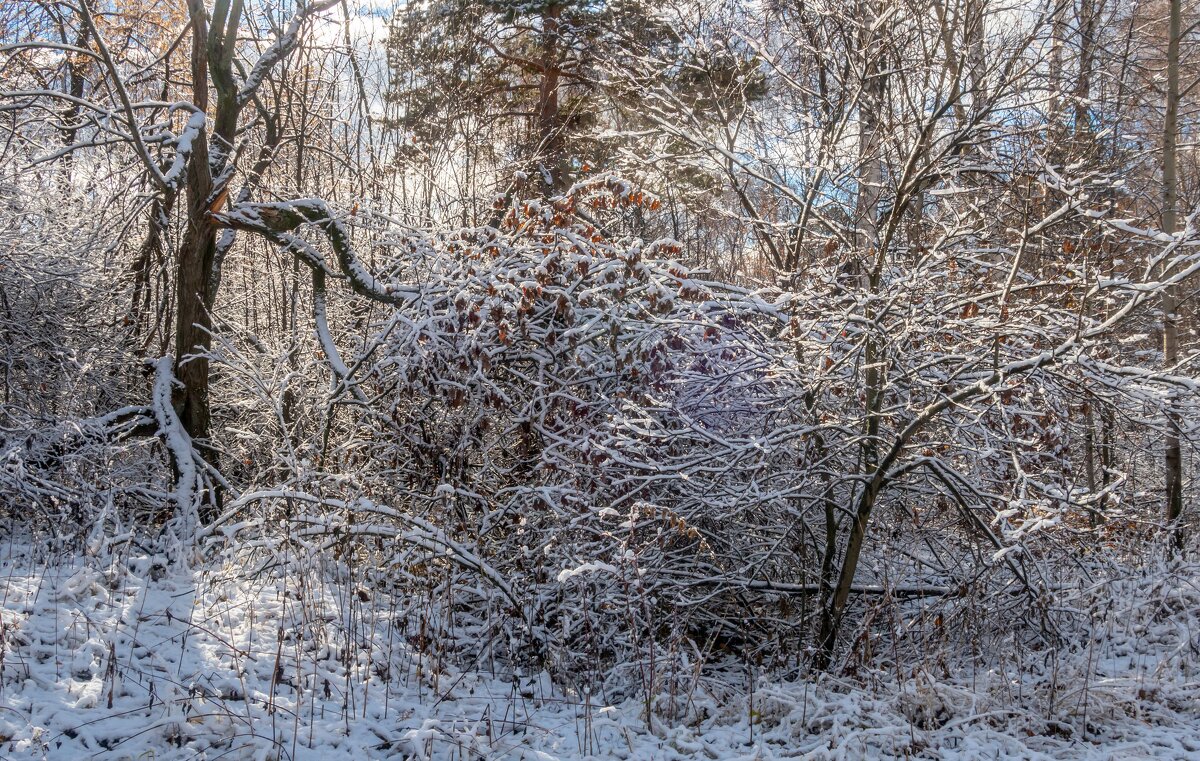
x,y
278,50
119,654
567,573
183,147
187,483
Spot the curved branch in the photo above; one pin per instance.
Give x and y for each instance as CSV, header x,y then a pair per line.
x,y
276,221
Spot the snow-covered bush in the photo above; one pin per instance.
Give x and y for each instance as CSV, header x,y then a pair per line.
x,y
72,389
631,468
610,434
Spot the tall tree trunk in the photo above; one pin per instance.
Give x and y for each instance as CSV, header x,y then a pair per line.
x,y
194,261
75,86
870,181
870,173
1088,18
551,152
1170,298
212,55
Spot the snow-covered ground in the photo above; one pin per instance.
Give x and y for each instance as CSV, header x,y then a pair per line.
x,y
133,659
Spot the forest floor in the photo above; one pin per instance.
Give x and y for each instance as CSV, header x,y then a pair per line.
x,y
131,659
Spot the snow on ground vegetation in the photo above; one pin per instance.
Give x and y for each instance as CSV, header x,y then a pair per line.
x,y
121,655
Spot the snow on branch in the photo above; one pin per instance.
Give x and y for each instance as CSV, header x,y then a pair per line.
x,y
187,482
418,532
184,143
276,221
278,50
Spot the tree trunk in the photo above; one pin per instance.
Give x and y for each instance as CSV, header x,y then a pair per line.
x,y
194,261
870,182
551,154
1170,298
212,55
75,82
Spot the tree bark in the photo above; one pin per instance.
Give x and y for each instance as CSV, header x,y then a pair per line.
x,y
212,55
193,322
551,154
867,220
1173,461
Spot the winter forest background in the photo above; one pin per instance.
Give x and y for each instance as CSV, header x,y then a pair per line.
x,y
680,379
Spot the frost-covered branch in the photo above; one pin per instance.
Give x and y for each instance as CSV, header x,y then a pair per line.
x,y
275,220
188,484
279,49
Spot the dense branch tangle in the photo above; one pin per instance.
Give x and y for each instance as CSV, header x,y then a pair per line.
x,y
921,366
